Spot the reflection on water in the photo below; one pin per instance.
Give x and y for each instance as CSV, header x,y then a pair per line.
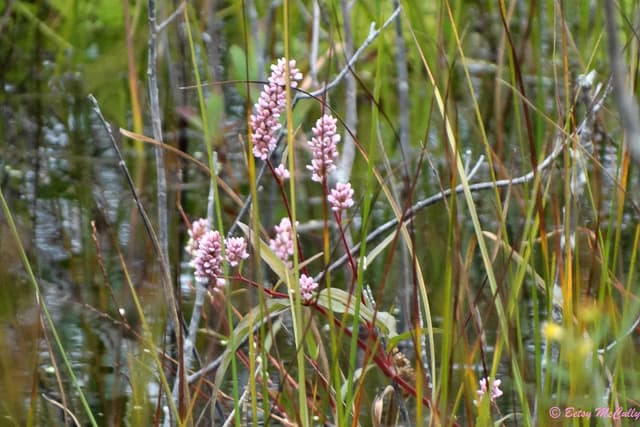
x,y
58,179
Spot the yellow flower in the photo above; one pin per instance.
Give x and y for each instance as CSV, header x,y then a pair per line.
x,y
552,331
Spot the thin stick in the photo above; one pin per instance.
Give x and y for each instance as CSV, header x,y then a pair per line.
x,y
403,95
156,126
160,28
350,101
215,364
63,407
315,39
161,185
624,99
166,277
42,303
242,399
404,198
373,34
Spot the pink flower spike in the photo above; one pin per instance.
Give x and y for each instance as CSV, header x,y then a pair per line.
x,y
281,172
282,245
235,250
208,259
341,197
197,230
484,389
272,102
307,287
495,390
323,147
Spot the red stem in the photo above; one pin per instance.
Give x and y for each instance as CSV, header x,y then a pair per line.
x,y
288,208
380,358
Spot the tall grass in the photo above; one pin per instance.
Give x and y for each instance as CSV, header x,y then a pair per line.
x,y
485,273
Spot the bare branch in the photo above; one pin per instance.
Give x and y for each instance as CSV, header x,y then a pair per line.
x,y
160,28
215,364
351,106
403,95
156,126
315,37
164,268
373,34
161,185
63,408
624,99
407,268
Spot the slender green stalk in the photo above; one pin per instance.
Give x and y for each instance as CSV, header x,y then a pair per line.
x,y
293,282
42,303
257,265
213,165
148,340
366,210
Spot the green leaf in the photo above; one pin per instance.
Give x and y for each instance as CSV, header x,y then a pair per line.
x,y
378,249
215,113
336,300
238,70
28,11
312,346
358,375
406,336
267,255
254,319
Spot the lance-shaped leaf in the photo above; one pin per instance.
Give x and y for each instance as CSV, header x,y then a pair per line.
x,y
339,301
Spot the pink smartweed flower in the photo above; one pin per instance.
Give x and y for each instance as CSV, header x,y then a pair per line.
x,y
341,197
272,102
281,172
323,147
282,245
235,250
198,228
484,389
307,287
208,259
